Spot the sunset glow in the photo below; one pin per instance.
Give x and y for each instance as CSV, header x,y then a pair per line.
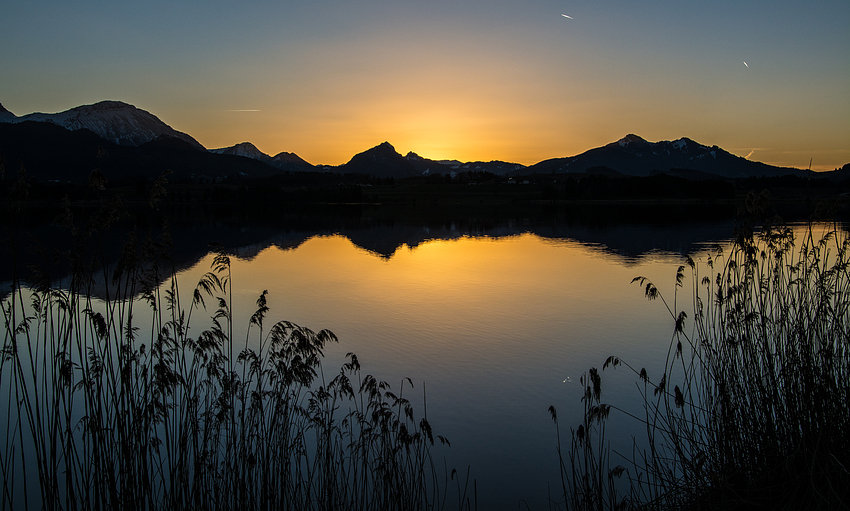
x,y
467,81
436,281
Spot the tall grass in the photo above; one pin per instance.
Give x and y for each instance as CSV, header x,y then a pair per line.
x,y
120,394
752,409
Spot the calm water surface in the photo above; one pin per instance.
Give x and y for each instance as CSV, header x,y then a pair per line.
x,y
492,330
492,319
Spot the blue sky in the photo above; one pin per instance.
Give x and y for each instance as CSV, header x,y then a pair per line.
x,y
468,80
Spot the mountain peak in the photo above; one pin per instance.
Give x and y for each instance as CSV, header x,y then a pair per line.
x,y
286,157
106,105
282,161
246,149
386,147
382,150
382,161
630,139
115,121
5,115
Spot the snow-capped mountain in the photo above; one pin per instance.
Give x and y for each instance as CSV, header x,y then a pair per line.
x,y
117,122
283,161
244,149
632,155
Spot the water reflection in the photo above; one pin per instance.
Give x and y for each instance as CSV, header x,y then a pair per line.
x,y
495,329
493,317
627,233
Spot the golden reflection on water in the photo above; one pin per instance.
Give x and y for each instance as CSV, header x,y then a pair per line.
x,y
475,274
454,299
495,326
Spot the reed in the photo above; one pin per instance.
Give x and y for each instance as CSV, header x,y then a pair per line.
x,y
120,394
752,409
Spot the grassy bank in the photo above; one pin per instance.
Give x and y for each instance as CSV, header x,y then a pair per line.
x,y
752,410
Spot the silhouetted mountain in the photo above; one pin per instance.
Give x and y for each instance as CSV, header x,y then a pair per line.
x,y
500,168
5,115
841,174
51,152
634,156
244,149
282,161
424,166
380,161
117,122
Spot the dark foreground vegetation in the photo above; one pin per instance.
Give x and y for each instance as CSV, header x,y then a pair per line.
x,y
752,410
143,395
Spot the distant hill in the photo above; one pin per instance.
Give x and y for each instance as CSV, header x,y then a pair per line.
x,y
634,156
283,161
425,166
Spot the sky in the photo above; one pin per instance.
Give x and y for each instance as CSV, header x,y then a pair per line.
x,y
449,79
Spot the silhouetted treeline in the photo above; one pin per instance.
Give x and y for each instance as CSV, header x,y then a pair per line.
x,y
794,185
331,187
602,187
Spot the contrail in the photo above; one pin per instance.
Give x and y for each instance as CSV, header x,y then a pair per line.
x,y
745,63
241,110
564,15
747,157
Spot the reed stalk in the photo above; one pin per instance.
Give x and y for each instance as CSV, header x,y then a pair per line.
x,y
752,409
125,397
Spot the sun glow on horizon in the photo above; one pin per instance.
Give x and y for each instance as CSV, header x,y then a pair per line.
x,y
519,83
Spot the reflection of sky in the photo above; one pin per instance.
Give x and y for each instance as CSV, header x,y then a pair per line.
x,y
490,327
469,80
493,330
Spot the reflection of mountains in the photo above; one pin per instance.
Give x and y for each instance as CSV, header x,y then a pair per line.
x,y
624,234
625,244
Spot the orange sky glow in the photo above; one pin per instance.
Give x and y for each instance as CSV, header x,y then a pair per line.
x,y
469,80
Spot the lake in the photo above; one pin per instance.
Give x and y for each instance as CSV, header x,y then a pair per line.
x,y
493,318
494,330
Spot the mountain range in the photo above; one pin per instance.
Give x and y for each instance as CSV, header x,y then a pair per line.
x,y
67,145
